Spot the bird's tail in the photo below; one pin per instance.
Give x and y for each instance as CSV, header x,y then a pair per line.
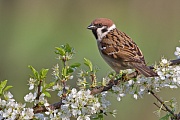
x,y
145,70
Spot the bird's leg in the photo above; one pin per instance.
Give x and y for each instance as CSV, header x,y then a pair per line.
x,y
132,75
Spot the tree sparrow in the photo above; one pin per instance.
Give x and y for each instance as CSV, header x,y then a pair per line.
x,y
117,48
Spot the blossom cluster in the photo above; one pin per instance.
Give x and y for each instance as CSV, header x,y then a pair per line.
x,y
168,76
11,110
78,104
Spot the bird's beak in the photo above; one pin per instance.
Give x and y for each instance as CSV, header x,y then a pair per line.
x,y
91,27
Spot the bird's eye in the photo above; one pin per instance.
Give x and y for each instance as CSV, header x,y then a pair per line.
x,y
99,25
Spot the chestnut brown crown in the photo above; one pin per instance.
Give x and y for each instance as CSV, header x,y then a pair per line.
x,y
99,22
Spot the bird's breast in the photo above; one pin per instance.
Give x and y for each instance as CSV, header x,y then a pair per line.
x,y
110,58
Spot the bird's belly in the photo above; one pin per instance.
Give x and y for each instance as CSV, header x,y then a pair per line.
x,y
116,65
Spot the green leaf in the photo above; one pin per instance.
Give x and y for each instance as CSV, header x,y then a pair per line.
x,y
88,63
2,85
49,85
43,73
70,70
75,65
60,51
36,74
68,48
7,88
166,117
47,94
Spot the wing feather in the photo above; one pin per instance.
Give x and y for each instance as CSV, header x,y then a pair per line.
x,y
118,45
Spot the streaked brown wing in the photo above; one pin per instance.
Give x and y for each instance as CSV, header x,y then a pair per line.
x,y
118,45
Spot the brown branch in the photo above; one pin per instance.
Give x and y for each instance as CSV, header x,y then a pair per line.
x,y
39,90
175,62
178,116
39,109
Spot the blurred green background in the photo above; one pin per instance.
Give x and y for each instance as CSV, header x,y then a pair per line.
x,y
31,29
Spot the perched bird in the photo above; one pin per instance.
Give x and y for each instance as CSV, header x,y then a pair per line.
x,y
117,48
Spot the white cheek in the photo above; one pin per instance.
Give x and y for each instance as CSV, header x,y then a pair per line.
x,y
101,35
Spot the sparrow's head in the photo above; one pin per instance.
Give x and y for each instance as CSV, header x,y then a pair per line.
x,y
100,27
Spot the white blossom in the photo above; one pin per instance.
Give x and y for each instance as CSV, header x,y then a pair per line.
x,y
164,61
135,96
57,87
104,102
60,93
31,83
31,86
53,114
177,52
114,112
55,72
40,116
29,97
2,102
8,95
27,113
1,113
42,100
86,117
130,82
120,95
71,77
119,91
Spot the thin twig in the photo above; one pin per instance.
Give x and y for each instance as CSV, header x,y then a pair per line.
x,y
162,102
159,107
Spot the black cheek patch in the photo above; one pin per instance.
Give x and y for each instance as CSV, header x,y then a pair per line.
x,y
95,33
104,30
